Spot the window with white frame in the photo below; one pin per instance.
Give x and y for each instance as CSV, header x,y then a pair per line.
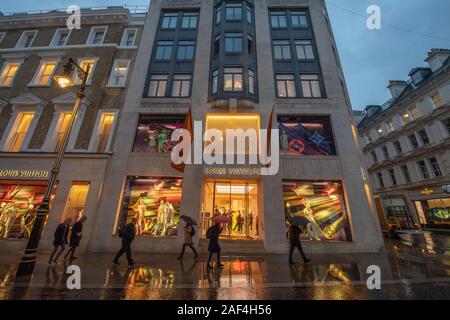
x,y
44,73
190,20
304,49
2,36
8,73
26,39
299,19
60,38
129,38
181,85
281,50
19,131
423,169
310,85
437,100
97,35
435,166
84,63
63,125
105,129
158,85
286,86
119,73
169,20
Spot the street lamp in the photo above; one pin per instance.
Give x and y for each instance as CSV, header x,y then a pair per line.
x,y
64,80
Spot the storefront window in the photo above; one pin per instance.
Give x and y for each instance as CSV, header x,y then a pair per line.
x,y
18,205
155,202
306,135
322,204
154,132
437,211
236,199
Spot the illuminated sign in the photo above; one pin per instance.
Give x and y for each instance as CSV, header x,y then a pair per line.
x,y
13,173
233,171
427,191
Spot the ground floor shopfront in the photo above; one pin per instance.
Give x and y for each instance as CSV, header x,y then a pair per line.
x,y
425,207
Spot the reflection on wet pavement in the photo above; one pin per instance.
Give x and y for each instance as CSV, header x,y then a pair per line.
x,y
409,268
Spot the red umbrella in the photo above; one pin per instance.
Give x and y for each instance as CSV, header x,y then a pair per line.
x,y
221,219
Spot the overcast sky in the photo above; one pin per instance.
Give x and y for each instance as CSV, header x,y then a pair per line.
x,y
370,58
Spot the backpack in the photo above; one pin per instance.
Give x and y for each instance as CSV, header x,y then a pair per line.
x,y
192,232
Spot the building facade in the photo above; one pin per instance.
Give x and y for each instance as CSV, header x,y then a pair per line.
x,y
232,62
406,143
34,113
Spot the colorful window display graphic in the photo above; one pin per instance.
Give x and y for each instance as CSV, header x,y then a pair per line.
x,y
154,132
306,135
18,205
437,211
155,202
322,205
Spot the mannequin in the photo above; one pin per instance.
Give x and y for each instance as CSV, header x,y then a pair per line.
x,y
141,217
284,141
152,139
162,139
3,217
159,217
11,218
167,220
23,221
312,227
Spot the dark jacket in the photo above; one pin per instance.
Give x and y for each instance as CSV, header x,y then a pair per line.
x,y
213,234
75,236
294,234
61,234
128,233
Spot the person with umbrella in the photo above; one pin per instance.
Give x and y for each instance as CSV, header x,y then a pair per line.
x,y
213,234
294,238
189,233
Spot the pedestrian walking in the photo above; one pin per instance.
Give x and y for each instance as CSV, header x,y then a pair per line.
x,y
128,233
213,234
60,241
75,237
189,233
294,240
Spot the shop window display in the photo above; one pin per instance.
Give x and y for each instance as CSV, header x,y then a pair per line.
x,y
436,211
18,205
322,204
156,204
306,135
154,132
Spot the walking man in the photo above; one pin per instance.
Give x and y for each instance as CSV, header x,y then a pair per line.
x,y
213,234
128,233
75,236
294,240
60,242
189,232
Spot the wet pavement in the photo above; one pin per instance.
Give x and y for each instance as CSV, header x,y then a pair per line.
x,y
415,267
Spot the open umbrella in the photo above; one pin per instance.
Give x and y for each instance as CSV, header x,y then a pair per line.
x,y
221,219
188,219
299,221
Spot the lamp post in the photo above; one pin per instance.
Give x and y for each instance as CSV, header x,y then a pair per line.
x,y
28,261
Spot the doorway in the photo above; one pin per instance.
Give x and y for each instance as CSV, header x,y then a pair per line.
x,y
76,200
236,199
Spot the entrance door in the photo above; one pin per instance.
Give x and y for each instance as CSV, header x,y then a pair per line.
x,y
76,200
236,199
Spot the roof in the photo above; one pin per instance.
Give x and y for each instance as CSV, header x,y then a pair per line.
x,y
409,89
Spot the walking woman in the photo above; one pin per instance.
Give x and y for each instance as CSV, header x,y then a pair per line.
x,y
189,232
75,237
213,234
60,242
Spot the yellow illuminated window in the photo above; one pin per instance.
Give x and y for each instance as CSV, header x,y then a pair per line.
x,y
65,119
84,65
23,124
45,73
437,101
8,74
224,122
105,131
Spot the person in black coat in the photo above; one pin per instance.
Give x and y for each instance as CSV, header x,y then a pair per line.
x,y
75,237
294,240
213,234
128,233
60,242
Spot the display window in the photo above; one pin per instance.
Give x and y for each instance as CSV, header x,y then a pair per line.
x,y
155,202
322,204
397,213
18,205
154,133
436,211
306,135
235,199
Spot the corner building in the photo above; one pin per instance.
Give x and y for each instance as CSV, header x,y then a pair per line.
x,y
232,61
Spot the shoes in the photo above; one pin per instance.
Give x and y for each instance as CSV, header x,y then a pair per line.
x,y
307,260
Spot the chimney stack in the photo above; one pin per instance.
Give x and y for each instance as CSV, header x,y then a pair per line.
x,y
397,87
437,57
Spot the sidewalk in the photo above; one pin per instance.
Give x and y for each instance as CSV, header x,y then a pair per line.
x,y
416,267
